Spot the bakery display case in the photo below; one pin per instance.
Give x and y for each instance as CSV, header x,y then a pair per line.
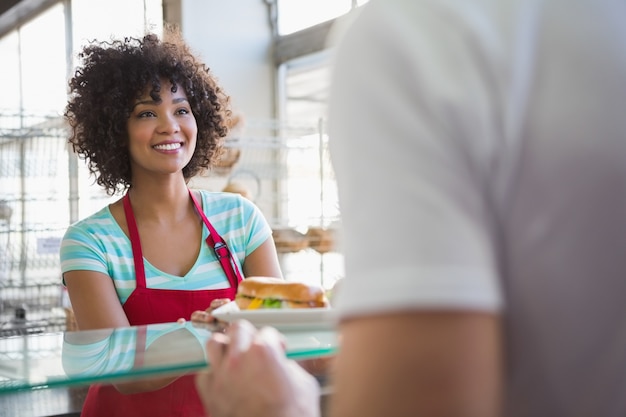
x,y
65,359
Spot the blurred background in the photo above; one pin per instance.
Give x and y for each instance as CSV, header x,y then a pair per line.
x,y
271,56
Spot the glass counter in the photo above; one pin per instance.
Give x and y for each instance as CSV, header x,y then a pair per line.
x,y
109,355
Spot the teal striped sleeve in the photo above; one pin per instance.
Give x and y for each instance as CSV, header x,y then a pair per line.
x,y
81,250
256,224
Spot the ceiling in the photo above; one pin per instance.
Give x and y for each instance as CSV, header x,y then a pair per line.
x,y
16,12
7,4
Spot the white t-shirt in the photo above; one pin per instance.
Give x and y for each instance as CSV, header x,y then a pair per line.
x,y
480,153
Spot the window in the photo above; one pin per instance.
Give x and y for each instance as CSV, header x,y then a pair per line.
x,y
42,186
295,15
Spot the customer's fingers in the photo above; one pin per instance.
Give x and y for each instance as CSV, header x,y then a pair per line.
x,y
216,347
241,334
273,338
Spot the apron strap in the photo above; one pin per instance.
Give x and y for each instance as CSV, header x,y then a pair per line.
x,y
220,247
140,273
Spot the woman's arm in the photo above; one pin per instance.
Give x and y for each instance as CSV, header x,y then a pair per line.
x,y
419,364
94,300
263,261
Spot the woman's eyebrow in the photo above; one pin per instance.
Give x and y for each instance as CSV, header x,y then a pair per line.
x,y
152,102
137,103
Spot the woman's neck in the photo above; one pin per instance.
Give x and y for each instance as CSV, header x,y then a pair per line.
x,y
160,204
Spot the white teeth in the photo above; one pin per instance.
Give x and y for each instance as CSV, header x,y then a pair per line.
x,y
168,146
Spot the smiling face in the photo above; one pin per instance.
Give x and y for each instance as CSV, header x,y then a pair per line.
x,y
162,134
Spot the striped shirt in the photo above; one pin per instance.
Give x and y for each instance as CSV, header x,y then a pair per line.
x,y
97,243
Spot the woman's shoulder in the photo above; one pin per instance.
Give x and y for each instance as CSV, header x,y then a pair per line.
x,y
101,221
214,200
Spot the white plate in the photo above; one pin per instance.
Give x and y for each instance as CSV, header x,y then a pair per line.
x,y
283,319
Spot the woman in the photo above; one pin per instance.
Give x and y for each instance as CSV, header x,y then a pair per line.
x,y
147,115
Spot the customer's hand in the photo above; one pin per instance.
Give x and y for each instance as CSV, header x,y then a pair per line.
x,y
250,375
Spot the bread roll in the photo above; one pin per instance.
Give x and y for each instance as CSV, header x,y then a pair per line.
x,y
266,292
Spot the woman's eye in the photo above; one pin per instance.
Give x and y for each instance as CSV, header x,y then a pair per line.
x,y
182,111
146,114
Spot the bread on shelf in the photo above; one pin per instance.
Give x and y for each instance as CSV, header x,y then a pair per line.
x,y
321,239
289,240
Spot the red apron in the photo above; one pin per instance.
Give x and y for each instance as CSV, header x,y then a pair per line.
x,y
147,306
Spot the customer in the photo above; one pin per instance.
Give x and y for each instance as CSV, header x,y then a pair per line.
x,y
148,115
479,148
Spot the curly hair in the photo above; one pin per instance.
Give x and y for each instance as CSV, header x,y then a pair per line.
x,y
113,75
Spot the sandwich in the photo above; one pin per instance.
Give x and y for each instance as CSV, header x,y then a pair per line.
x,y
264,292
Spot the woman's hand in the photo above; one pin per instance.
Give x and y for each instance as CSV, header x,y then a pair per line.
x,y
250,375
205,316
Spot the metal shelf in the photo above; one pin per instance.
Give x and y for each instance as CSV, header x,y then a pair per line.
x,y
287,170
34,212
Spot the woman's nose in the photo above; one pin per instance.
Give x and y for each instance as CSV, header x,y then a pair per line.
x,y
169,124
